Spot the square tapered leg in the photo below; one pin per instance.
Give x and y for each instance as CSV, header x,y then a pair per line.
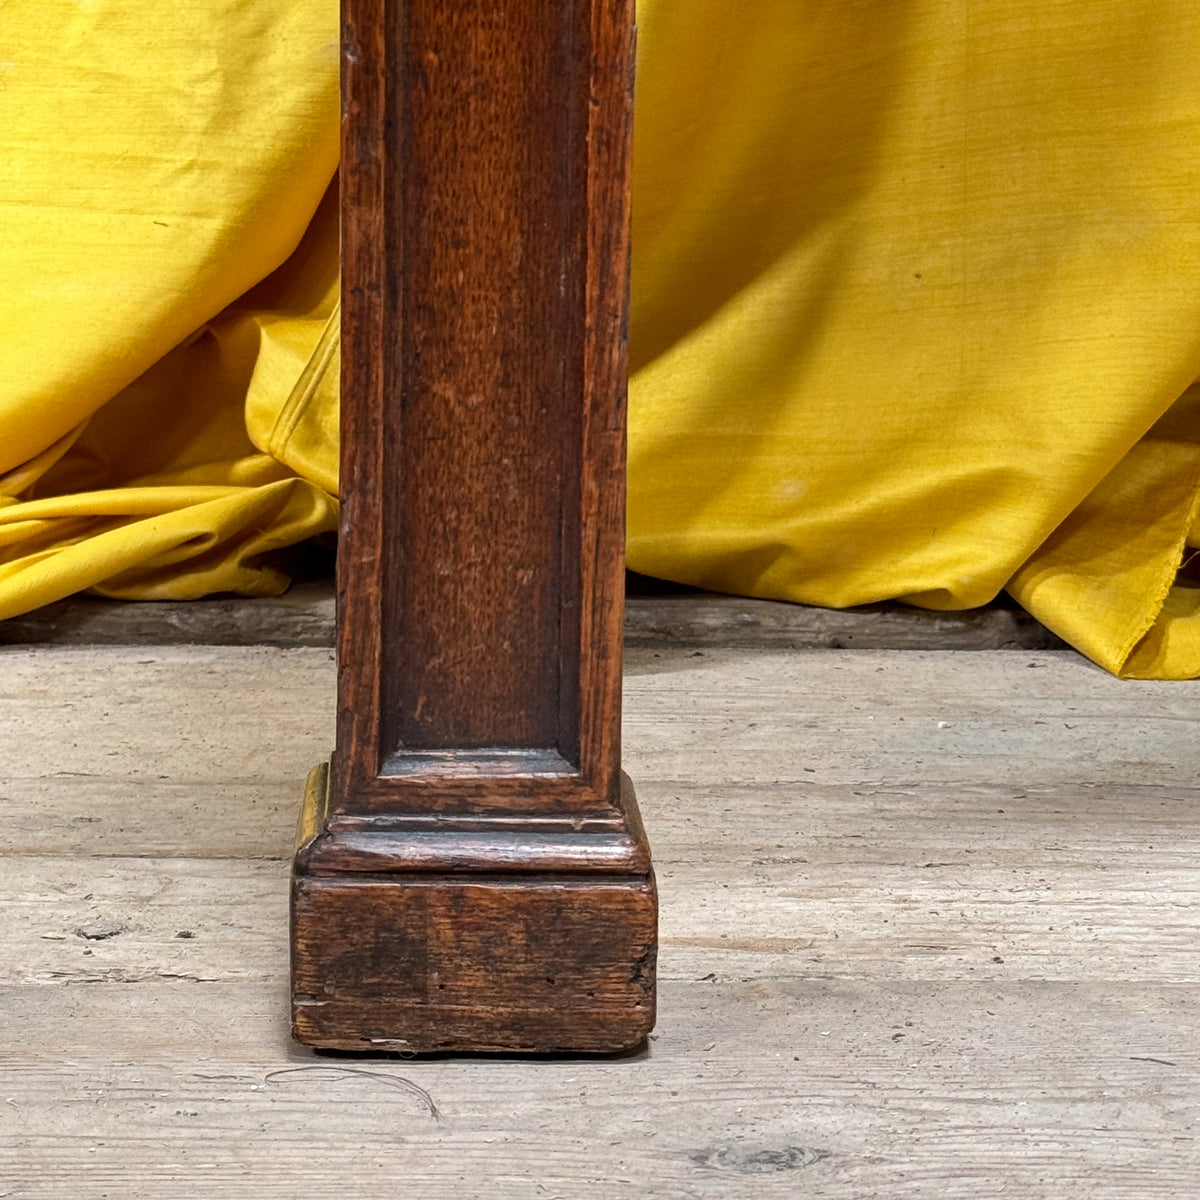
x,y
471,870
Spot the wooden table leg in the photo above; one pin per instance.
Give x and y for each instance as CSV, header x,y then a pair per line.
x,y
471,872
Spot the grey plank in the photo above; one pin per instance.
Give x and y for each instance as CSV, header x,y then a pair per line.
x,y
304,616
929,929
762,1089
119,920
203,750
701,620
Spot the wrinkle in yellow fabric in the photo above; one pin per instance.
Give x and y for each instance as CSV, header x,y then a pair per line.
x,y
916,303
911,282
159,168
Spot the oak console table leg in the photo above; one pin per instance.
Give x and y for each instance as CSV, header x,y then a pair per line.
x,y
471,871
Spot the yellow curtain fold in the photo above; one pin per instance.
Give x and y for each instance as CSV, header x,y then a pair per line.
x,y
159,169
913,282
916,304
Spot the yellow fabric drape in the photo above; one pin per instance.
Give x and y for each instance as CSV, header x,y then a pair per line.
x,y
916,303
912,282
164,323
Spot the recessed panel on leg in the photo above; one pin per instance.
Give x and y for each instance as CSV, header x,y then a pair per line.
x,y
471,871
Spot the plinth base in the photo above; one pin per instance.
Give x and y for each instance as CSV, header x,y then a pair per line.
x,y
472,939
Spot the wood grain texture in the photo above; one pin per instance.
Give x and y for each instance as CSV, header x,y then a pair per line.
x,y
834,1020
758,1089
440,962
305,616
488,936
471,871
728,622
482,444
485,283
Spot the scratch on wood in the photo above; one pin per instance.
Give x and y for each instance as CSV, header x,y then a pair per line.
x,y
399,1082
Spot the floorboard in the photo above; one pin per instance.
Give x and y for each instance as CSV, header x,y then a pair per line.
x,y
305,616
930,930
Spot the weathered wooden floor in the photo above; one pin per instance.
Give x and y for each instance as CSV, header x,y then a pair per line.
x,y
931,929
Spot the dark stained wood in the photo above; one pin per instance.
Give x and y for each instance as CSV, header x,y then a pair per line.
x,y
707,621
485,247
472,873
486,935
485,462
304,616
454,963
